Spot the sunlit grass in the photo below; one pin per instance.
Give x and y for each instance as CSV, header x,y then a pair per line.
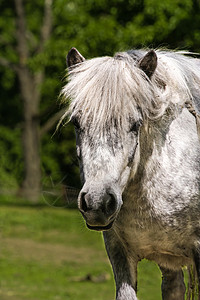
x,y
47,253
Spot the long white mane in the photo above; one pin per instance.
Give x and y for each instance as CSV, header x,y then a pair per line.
x,y
111,89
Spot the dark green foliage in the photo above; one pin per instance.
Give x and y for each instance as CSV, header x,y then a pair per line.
x,y
11,167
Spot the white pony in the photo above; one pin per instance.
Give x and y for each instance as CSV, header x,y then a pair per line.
x,y
136,117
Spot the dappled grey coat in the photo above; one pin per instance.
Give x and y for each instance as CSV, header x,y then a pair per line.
x,y
136,117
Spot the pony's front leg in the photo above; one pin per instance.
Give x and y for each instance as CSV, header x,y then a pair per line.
x,y
125,270
173,287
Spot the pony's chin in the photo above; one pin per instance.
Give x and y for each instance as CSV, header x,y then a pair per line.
x,y
100,228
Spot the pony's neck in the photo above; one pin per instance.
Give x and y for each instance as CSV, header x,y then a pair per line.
x,y
152,135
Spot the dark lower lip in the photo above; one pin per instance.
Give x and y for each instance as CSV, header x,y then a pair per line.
x,y
100,228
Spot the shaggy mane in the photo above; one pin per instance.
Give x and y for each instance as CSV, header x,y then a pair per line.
x,y
108,90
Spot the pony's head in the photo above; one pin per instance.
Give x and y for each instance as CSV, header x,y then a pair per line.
x,y
110,97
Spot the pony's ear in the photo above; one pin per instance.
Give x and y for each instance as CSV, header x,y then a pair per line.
x,y
74,57
148,63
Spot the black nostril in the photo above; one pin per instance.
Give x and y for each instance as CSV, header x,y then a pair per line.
x,y
83,204
111,204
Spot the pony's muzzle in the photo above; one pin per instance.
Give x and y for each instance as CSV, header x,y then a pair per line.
x,y
99,212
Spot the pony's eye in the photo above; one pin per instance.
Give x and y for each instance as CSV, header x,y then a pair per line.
x,y
135,126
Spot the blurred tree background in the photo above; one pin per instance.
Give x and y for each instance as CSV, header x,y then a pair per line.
x,y
35,37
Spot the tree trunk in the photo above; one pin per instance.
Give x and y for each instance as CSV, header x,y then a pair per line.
x,y
31,149
30,139
30,85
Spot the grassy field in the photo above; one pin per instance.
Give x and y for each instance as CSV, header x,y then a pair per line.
x,y
46,253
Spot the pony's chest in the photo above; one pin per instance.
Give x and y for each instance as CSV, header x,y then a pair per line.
x,y
151,239
166,250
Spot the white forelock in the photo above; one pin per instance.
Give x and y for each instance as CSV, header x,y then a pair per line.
x,y
112,89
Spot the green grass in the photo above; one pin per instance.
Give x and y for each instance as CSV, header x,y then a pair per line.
x,y
47,253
